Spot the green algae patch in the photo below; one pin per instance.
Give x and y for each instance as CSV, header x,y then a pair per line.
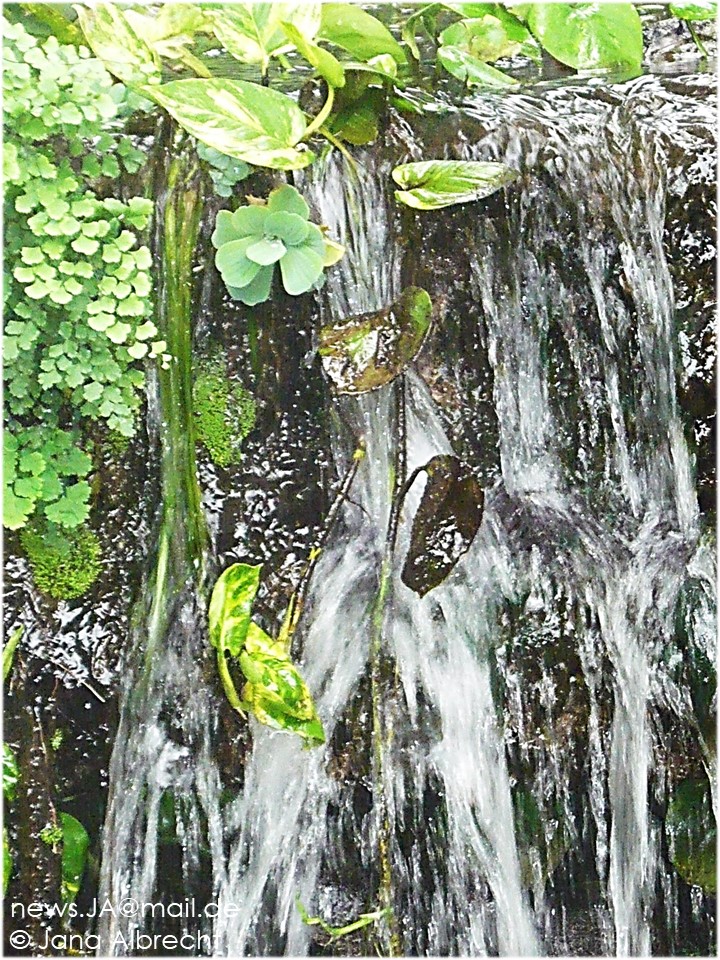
x,y
64,564
691,829
224,414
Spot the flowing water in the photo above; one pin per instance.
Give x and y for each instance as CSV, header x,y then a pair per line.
x,y
525,700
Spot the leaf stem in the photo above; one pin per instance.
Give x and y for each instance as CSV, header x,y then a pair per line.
x,y
322,115
227,682
297,601
698,42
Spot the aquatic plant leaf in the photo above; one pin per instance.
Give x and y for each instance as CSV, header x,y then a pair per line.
x,y
288,200
253,33
433,184
700,10
291,228
470,70
300,269
368,351
240,119
257,291
589,36
445,524
334,252
255,237
362,35
232,261
114,41
75,843
324,62
231,607
265,251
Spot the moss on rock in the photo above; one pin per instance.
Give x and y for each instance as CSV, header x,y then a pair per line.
x,y
224,414
690,825
64,563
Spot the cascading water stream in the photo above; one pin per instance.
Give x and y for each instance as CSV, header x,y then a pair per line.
x,y
285,830
164,737
606,182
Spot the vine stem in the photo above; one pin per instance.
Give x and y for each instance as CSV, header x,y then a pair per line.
x,y
297,601
322,115
377,680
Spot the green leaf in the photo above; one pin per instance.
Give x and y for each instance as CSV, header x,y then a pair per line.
x,y
323,61
249,221
433,184
362,35
266,252
224,229
589,36
291,228
72,508
300,269
232,262
470,70
287,199
75,843
275,692
484,38
258,290
16,510
445,524
231,607
368,351
700,10
252,32
113,40
240,119
9,648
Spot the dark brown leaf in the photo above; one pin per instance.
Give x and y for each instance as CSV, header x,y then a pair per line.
x,y
445,524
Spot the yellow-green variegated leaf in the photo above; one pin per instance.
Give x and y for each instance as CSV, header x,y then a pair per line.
x,y
231,607
113,40
432,184
252,32
240,119
275,692
324,62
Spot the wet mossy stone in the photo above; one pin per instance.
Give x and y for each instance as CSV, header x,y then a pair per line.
x,y
692,833
64,563
224,415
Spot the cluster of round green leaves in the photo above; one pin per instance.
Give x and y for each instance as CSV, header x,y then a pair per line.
x,y
250,241
77,286
45,465
225,172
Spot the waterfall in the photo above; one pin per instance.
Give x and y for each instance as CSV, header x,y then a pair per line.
x,y
517,808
